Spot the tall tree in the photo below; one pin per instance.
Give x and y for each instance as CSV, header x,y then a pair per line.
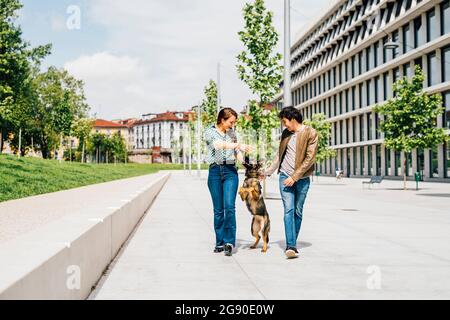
x,y
81,129
209,104
258,66
60,100
17,60
260,69
410,118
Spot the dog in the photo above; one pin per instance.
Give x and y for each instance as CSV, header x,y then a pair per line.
x,y
251,193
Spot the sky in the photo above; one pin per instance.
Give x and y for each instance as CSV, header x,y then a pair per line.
x,y
150,56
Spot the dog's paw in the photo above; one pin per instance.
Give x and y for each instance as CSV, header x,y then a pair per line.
x,y
252,247
263,250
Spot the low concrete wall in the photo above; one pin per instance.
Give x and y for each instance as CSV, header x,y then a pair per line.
x,y
65,259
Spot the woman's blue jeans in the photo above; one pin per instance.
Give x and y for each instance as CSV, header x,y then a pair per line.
x,y
223,183
293,201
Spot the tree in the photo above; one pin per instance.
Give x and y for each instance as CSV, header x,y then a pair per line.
x,y
323,128
209,104
59,101
17,62
259,67
410,118
106,148
117,148
95,145
81,129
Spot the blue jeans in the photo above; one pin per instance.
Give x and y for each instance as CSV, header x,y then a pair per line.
x,y
223,183
293,201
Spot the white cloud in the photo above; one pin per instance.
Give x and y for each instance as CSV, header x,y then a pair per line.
x,y
104,65
160,54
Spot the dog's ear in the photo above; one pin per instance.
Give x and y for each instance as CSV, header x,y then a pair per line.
x,y
259,164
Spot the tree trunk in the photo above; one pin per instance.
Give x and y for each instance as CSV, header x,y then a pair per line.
x,y
44,147
1,140
82,153
60,151
20,143
404,171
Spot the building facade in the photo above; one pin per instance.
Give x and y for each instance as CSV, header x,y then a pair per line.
x,y
342,68
162,132
109,128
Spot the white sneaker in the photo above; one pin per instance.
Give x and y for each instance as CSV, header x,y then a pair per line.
x,y
290,254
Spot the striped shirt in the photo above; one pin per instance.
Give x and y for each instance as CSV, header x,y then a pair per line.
x,y
219,156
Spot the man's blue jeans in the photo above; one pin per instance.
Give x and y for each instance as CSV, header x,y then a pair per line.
x,y
293,201
223,183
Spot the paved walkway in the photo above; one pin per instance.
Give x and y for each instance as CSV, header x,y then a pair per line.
x,y
383,243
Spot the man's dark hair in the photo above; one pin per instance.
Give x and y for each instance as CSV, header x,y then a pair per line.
x,y
291,113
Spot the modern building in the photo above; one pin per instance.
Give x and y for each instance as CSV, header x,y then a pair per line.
x,y
342,68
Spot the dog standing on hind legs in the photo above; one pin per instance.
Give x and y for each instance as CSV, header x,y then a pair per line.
x,y
251,193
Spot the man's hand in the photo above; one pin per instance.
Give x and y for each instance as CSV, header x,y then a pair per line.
x,y
289,182
262,177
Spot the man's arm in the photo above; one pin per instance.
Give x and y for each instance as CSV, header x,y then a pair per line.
x,y
311,152
274,166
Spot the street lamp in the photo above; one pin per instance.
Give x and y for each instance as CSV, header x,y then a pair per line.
x,y
391,45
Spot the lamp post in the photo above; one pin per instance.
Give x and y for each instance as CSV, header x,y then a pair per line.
x,y
287,97
198,137
219,102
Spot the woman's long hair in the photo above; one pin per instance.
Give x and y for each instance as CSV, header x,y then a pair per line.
x,y
225,114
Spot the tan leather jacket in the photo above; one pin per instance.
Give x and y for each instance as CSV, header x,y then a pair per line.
x,y
306,151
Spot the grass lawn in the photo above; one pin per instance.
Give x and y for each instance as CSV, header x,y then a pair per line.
x,y
26,177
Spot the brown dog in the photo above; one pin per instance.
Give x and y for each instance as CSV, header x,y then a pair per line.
x,y
251,193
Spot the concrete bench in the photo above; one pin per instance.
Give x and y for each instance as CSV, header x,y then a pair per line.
x,y
65,258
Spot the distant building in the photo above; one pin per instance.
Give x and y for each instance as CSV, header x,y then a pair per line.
x,y
109,128
129,123
161,133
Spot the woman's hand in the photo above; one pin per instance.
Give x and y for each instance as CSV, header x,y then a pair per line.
x,y
244,148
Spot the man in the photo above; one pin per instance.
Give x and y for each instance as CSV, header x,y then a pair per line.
x,y
295,163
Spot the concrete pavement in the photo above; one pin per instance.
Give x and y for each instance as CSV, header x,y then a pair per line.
x,y
384,243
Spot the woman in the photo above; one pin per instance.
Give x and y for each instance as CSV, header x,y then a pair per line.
x,y
222,152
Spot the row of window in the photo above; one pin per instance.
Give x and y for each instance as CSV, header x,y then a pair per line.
x,y
343,133
393,166
413,35
364,123
325,25
375,90
347,40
